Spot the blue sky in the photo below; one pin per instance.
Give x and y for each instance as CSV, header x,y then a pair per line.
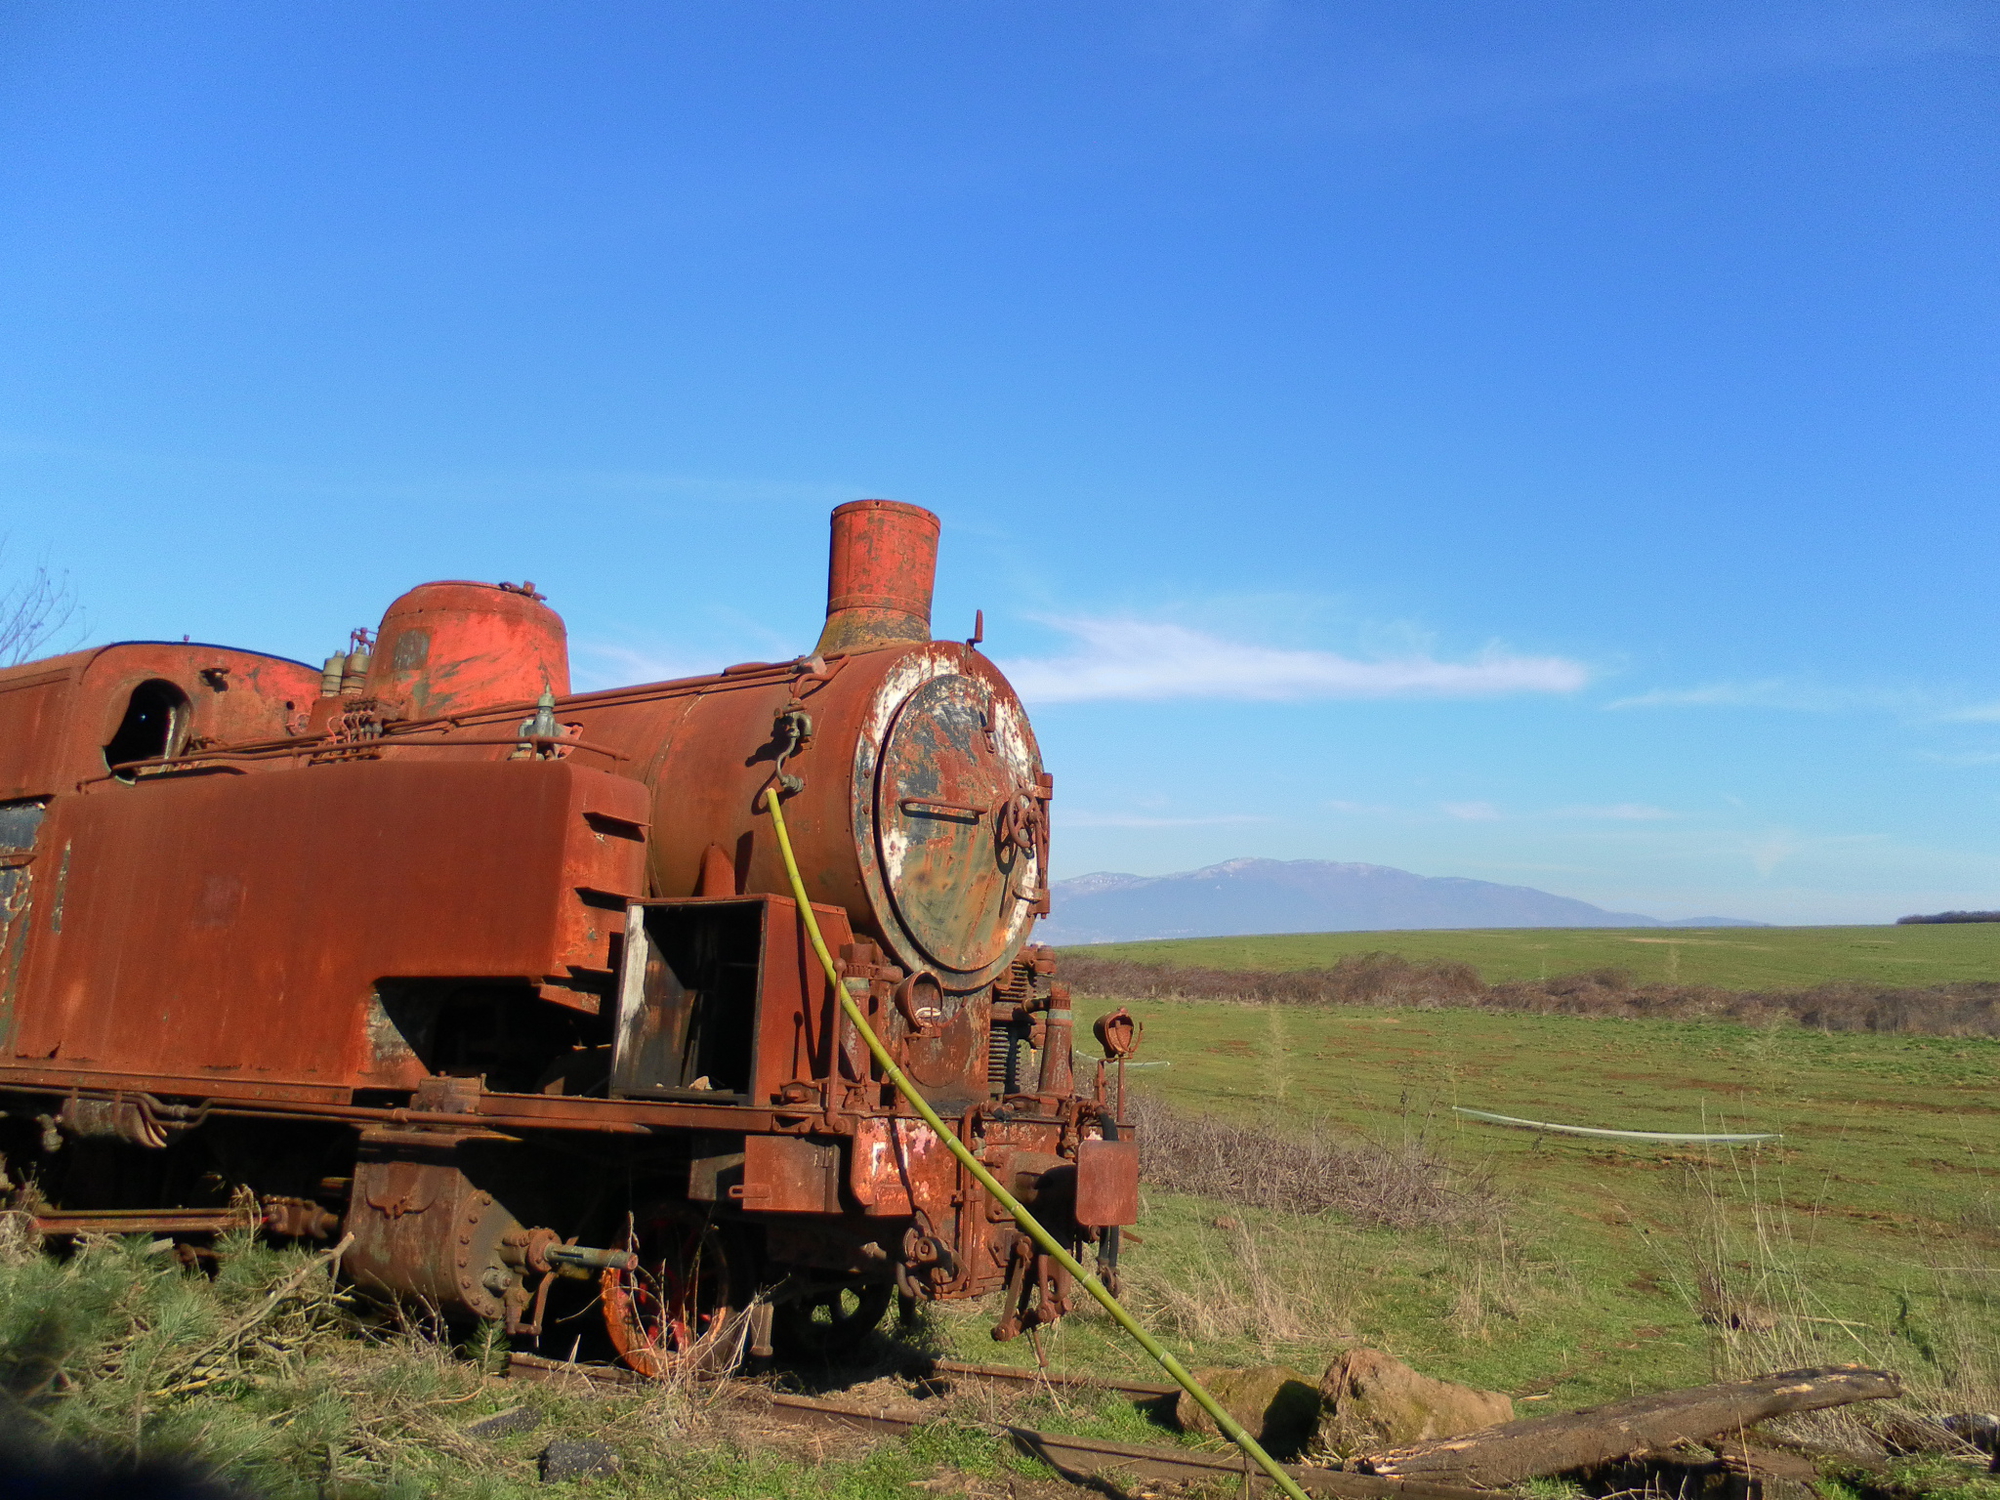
x,y
1551,443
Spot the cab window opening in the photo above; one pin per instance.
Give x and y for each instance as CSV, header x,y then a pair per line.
x,y
154,726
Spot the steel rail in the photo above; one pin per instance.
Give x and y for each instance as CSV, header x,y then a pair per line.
x,y
1030,1225
1025,1375
1076,1458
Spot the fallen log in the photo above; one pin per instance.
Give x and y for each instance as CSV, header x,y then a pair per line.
x,y
1514,1451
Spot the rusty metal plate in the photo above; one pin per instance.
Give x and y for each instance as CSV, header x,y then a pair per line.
x,y
789,1174
60,717
951,1063
423,1230
944,799
1107,1182
219,925
899,1165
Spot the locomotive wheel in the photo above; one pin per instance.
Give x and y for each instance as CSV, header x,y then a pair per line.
x,y
830,1324
673,1307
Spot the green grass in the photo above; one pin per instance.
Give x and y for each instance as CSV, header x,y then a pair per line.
x,y
1739,958
262,1376
1870,1228
1872,1231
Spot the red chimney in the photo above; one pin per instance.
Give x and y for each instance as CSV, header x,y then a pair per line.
x,y
879,576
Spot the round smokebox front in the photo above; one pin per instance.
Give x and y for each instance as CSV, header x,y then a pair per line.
x,y
960,833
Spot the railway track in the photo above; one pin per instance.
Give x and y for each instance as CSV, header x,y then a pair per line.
x,y
1078,1459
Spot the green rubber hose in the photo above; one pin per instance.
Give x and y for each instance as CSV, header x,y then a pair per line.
x,y
1231,1428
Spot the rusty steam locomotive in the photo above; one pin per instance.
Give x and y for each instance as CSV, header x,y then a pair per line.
x,y
504,985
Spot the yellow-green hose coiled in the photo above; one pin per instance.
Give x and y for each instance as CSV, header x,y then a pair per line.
x,y
1030,1225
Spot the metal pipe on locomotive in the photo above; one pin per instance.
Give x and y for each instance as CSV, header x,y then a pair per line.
x,y
505,982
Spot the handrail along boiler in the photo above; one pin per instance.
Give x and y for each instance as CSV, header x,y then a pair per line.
x,y
507,983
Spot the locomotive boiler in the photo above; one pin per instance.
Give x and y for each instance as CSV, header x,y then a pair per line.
x,y
504,985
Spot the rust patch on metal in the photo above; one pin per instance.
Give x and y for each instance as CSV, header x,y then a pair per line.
x,y
1107,1183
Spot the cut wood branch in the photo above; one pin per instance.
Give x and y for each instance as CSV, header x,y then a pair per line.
x,y
1515,1451
177,1371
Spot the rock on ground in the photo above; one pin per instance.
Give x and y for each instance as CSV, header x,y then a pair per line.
x,y
576,1460
1278,1406
1371,1401
502,1423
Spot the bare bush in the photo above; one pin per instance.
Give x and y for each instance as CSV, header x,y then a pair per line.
x,y
1388,979
1357,979
1312,1170
1971,1009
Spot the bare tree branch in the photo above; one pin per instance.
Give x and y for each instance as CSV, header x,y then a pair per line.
x,y
34,609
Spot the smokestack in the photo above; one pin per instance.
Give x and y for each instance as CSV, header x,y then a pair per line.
x,y
879,576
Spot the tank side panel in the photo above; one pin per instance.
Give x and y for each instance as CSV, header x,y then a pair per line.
x,y
643,729
796,1020
235,925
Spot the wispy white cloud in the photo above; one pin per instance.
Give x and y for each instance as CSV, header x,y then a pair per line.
x,y
1772,850
1471,812
1716,47
1342,75
1776,692
1137,659
1982,713
599,665
1618,812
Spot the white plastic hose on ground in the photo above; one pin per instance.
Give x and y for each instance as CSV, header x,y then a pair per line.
x,y
1675,1136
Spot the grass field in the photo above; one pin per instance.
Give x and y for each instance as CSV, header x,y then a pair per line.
x,y
1870,1232
1738,958
1867,1233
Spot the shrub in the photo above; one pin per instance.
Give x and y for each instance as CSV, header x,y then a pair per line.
x,y
1311,1169
1388,979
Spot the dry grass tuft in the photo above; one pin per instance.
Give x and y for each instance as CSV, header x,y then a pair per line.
x,y
259,1374
1751,1273
1266,1287
1285,1282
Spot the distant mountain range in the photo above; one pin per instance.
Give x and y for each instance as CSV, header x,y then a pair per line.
x,y
1243,896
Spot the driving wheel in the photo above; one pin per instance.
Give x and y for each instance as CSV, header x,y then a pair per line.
x,y
671,1308
830,1323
